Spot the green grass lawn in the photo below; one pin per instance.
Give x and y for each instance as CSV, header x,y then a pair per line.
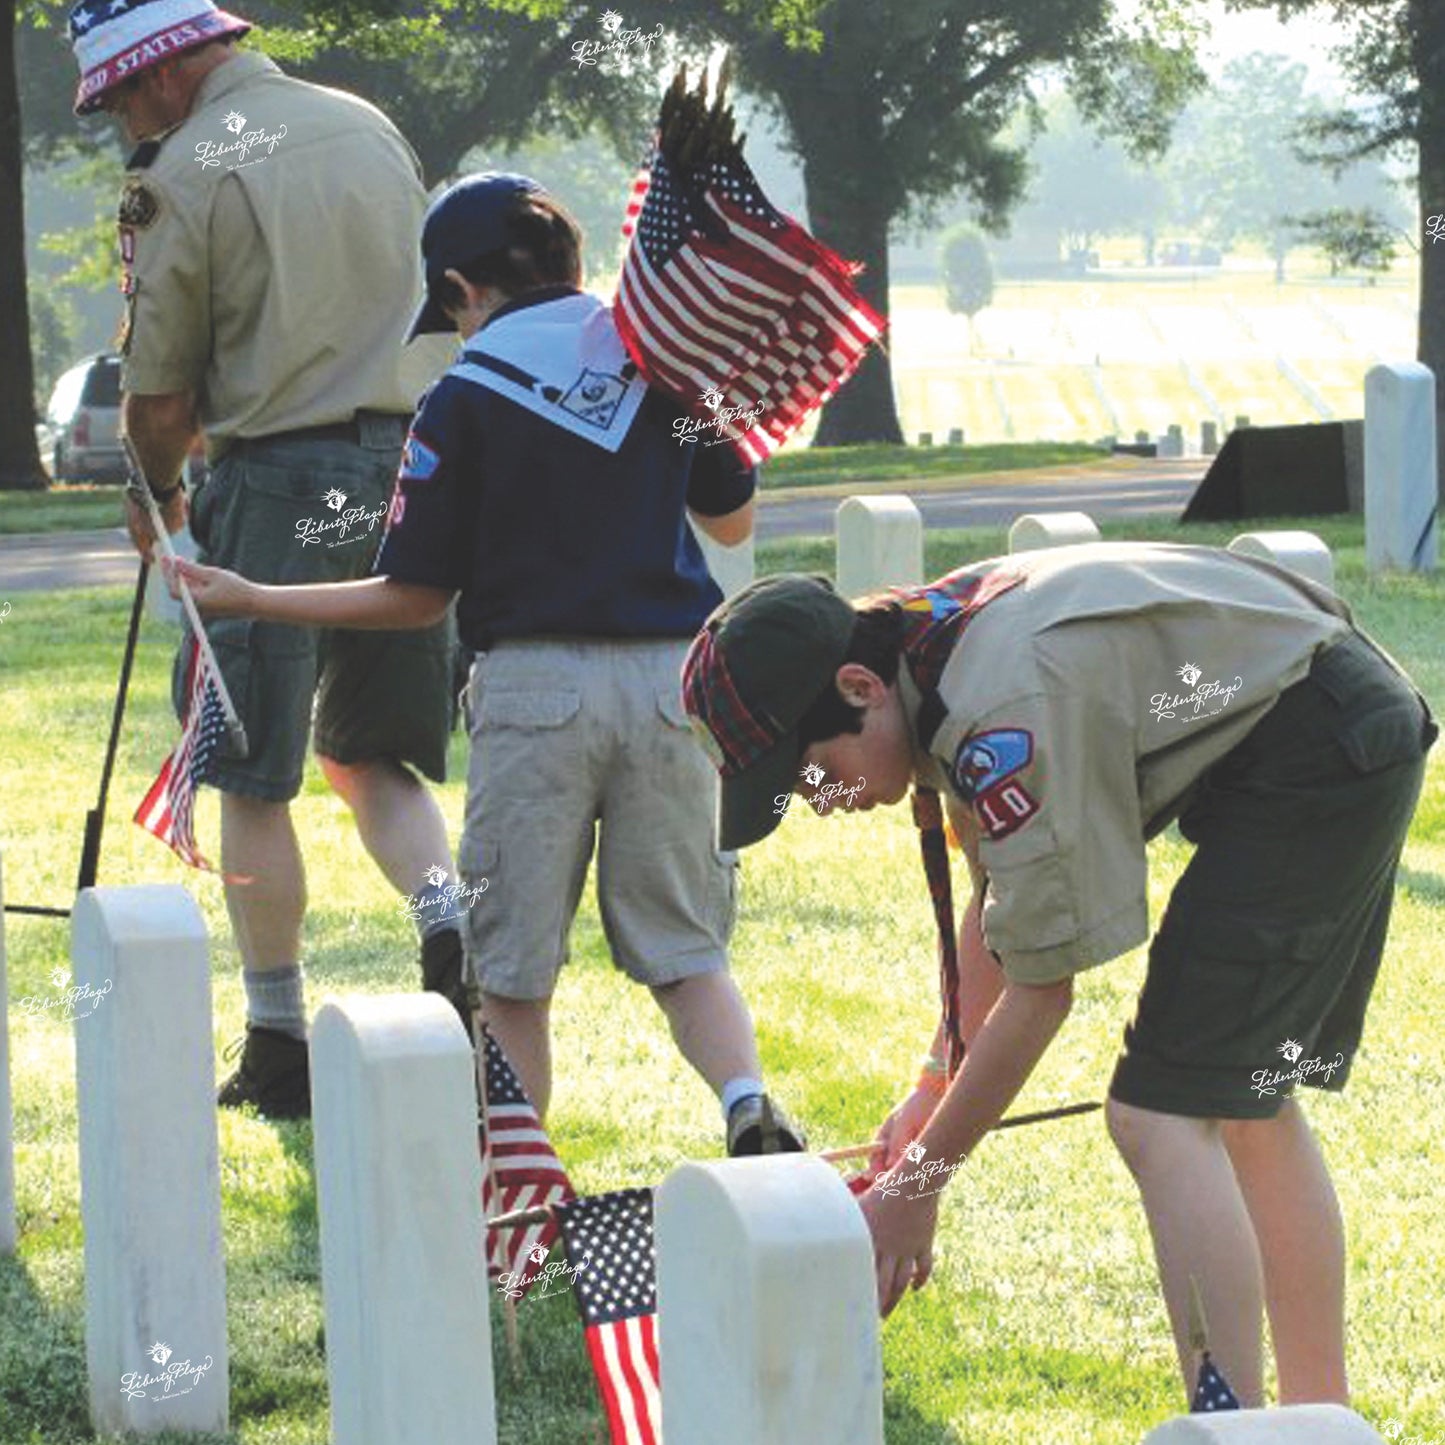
x,y
1042,1323
76,508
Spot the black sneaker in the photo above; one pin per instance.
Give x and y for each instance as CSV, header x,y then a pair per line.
x,y
757,1126
274,1074
443,971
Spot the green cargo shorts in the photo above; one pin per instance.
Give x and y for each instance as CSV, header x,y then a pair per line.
x,y
1262,967
295,510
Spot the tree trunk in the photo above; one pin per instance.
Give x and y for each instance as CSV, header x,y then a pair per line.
x,y
864,410
1428,27
19,457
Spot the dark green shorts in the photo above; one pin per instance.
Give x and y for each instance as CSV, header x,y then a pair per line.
x,y
289,511
1262,968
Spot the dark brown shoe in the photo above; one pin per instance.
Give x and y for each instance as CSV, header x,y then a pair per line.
x,y
756,1125
274,1074
443,971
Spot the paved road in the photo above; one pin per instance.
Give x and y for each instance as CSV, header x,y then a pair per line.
x,y
1119,489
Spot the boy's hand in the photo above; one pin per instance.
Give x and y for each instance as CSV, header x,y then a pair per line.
x,y
900,1129
217,592
902,1230
138,521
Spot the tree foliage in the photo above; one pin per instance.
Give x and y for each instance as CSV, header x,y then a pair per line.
x,y
967,271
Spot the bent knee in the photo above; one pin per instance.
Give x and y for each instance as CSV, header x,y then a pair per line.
x,y
1145,1137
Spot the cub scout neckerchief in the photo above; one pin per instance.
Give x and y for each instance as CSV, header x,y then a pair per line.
x,y
563,361
934,619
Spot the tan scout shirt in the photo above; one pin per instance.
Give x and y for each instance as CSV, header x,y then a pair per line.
x,y
1083,704
271,251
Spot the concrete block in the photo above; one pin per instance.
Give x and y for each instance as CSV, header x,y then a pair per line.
x,y
1301,552
398,1185
1051,529
1287,1425
1171,444
150,1184
767,1307
1401,490
880,544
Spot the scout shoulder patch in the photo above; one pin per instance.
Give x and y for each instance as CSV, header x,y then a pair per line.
x,y
984,773
139,204
986,759
418,461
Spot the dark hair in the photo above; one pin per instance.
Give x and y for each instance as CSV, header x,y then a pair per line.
x,y
544,248
875,644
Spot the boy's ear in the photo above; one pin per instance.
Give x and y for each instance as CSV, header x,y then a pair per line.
x,y
859,686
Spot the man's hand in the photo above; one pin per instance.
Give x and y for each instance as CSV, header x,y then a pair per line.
x,y
902,1230
174,511
216,592
901,1128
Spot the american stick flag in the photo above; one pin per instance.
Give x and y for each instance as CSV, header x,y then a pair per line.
x,y
520,1170
733,307
1211,1392
168,808
617,1297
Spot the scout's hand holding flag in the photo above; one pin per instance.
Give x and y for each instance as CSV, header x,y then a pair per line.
x,y
724,301
168,808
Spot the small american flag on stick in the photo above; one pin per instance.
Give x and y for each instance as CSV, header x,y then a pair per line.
x,y
168,808
521,1170
722,296
617,1298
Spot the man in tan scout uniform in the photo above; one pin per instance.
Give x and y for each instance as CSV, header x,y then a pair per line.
x,y
1069,705
267,233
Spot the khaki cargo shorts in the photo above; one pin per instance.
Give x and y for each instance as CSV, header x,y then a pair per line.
x,y
582,745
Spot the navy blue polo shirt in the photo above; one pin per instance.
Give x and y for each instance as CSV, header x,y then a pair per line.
x,y
546,534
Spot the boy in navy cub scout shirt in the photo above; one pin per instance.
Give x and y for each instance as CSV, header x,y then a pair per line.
x,y
544,485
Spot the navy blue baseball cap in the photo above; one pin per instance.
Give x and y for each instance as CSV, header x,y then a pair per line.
x,y
466,221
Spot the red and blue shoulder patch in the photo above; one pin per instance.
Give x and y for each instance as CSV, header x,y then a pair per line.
x,y
984,773
418,461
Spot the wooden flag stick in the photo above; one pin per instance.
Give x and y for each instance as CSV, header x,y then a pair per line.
x,y
514,1342
518,1218
1041,1116
163,538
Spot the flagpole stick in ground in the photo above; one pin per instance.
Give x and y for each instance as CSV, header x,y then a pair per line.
x,y
514,1343
95,818
859,1151
163,537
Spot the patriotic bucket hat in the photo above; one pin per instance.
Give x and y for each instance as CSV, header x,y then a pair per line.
x,y
755,669
117,39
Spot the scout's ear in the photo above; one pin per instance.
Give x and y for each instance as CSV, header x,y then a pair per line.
x,y
859,686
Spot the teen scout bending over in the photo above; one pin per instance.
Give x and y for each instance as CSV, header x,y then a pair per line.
x,y
543,486
1070,704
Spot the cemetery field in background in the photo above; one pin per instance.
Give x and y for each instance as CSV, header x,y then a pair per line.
x,y
1042,1323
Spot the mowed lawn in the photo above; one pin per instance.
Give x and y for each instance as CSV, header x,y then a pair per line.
x,y
1042,1323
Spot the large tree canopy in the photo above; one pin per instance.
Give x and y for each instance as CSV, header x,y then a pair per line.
x,y
1394,52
